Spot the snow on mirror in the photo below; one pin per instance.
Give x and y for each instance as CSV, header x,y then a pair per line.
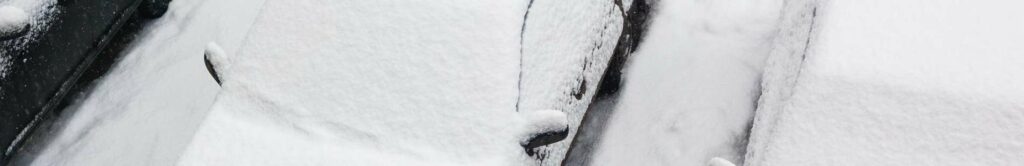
x,y
213,51
13,22
528,82
543,128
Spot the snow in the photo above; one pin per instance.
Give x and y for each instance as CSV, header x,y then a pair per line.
x,y
719,162
12,20
36,13
543,121
370,83
146,109
566,46
905,83
690,89
779,79
388,82
218,58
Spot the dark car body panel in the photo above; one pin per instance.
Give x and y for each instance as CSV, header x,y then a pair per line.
x,y
41,73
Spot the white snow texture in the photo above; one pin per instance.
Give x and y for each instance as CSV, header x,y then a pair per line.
x,y
12,20
719,162
159,93
461,82
146,109
910,82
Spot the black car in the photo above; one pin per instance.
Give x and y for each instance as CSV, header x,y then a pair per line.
x,y
42,72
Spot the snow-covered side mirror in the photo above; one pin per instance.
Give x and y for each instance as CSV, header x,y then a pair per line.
x,y
209,68
719,162
544,128
13,23
546,138
215,60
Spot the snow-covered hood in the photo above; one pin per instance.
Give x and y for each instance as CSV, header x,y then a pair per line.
x,y
370,82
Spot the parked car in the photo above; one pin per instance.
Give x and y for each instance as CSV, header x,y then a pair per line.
x,y
41,73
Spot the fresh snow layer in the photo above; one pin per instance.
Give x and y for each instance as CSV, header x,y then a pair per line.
x,y
566,46
326,82
912,82
12,20
690,89
218,59
146,109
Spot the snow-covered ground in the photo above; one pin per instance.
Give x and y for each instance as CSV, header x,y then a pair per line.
x,y
911,82
690,88
145,110
13,20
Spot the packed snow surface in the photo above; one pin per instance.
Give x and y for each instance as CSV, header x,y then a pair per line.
x,y
427,78
323,82
689,90
218,58
914,82
389,82
146,109
12,21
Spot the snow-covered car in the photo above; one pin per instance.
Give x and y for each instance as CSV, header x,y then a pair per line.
x,y
45,47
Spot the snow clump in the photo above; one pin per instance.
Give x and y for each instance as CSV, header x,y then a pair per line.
x,y
720,162
545,121
12,21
